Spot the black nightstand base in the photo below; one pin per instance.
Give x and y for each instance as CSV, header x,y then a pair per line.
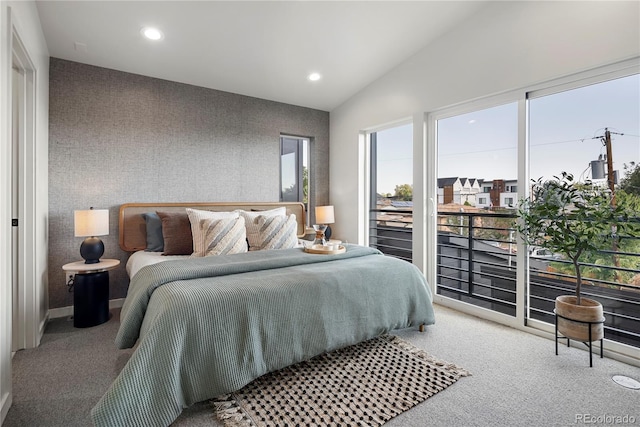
x,y
90,299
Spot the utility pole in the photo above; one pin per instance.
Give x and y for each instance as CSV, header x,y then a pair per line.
x,y
606,140
610,172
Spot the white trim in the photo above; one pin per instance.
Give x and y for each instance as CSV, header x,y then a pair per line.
x,y
5,404
585,78
476,105
522,255
364,201
431,185
56,313
419,192
478,311
388,125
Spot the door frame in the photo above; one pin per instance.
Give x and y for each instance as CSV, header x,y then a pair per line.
x,y
29,329
31,299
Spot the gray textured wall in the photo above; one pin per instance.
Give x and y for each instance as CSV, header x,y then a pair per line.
x,y
116,138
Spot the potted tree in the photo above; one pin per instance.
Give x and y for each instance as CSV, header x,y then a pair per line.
x,y
573,219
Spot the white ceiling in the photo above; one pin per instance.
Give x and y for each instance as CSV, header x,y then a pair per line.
x,y
263,49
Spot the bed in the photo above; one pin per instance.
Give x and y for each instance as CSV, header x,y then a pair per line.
x,y
203,326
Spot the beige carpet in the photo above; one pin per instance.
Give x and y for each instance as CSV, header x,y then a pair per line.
x,y
365,384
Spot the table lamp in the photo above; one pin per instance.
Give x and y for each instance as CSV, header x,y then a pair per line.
x,y
91,223
324,217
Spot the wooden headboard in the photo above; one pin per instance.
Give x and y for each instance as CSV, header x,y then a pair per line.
x,y
133,231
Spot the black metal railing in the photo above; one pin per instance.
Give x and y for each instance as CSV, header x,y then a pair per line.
x,y
477,259
391,232
476,263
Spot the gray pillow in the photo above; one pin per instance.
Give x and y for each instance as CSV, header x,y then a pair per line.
x,y
155,241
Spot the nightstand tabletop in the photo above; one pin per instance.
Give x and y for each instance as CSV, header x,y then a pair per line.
x,y
81,267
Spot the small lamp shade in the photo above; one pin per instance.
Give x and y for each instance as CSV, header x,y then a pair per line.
x,y
324,215
91,223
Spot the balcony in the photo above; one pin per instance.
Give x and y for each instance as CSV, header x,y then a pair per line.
x,y
476,264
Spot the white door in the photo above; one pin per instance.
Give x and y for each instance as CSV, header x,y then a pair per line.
x,y
17,81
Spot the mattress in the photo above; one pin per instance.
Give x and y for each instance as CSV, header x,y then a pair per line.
x,y
140,259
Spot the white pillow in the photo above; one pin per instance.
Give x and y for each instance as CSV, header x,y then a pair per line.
x,y
252,226
195,216
277,232
224,236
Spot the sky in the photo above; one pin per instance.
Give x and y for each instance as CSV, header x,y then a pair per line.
x,y
565,131
395,157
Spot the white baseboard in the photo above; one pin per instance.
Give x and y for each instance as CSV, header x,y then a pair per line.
x,y
5,404
55,313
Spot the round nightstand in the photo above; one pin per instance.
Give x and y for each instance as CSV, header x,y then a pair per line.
x,y
90,291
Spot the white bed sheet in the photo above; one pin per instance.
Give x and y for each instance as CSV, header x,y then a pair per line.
x,y
140,259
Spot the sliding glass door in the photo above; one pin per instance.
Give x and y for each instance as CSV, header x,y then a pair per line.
x,y
477,188
593,132
486,153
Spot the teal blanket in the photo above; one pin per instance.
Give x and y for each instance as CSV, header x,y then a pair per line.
x,y
209,326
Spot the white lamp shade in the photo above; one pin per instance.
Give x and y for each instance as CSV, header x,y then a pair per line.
x,y
91,222
324,215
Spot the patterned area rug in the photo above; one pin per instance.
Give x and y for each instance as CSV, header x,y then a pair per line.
x,y
365,384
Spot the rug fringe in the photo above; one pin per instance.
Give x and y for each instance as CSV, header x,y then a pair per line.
x,y
405,345
230,413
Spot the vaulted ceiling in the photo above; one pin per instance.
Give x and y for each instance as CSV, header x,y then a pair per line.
x,y
264,49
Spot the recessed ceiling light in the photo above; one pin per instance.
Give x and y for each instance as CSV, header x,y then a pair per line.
x,y
314,77
152,33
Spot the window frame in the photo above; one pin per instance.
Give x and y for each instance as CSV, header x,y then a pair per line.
x,y
522,96
371,153
300,162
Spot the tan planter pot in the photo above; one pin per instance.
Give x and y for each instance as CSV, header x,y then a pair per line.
x,y
588,311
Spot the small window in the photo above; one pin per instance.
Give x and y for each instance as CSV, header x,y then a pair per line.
x,y
482,200
508,201
294,170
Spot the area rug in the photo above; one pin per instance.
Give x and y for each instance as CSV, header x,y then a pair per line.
x,y
365,384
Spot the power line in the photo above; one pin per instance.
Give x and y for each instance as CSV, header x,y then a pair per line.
x,y
559,142
513,148
478,151
531,145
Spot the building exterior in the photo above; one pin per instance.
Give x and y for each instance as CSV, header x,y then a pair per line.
x,y
477,192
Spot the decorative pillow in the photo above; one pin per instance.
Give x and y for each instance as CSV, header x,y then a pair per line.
x,y
224,236
277,232
155,241
252,226
196,216
176,233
